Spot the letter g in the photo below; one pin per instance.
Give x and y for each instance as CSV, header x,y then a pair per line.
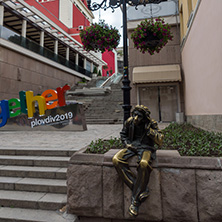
x,y
4,115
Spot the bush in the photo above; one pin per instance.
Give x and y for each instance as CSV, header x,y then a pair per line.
x,y
187,139
101,146
151,35
192,141
100,37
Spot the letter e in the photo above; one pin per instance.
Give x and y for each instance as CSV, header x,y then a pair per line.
x,y
50,95
14,107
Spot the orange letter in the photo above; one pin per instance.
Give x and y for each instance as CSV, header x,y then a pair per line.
x,y
61,94
50,95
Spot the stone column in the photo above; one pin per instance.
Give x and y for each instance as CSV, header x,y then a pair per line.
x,y
56,47
77,59
84,63
91,67
1,14
24,25
42,38
67,53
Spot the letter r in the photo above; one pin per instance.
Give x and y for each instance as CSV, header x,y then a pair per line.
x,y
61,94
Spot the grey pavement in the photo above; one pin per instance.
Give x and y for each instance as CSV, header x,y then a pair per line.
x,y
74,140
60,139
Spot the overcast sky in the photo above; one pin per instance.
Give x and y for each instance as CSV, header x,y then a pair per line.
x,y
111,18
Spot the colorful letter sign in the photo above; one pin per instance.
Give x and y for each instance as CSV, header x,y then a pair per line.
x,y
26,103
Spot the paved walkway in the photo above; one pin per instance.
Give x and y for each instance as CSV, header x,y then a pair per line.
x,y
56,139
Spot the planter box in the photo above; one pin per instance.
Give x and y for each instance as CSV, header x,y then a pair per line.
x,y
181,189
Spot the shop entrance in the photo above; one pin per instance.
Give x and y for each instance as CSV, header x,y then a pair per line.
x,y
161,100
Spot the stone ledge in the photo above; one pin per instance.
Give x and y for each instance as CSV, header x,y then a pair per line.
x,y
182,189
171,158
80,157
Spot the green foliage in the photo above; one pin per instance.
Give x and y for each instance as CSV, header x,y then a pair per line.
x,y
101,146
151,35
99,73
192,141
187,139
95,70
82,81
105,67
100,37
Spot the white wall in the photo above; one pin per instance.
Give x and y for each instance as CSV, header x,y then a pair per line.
x,y
66,12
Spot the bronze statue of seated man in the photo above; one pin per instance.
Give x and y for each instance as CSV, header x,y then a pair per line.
x,y
139,135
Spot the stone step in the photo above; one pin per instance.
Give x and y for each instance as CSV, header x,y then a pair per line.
x,y
33,200
36,151
48,161
33,172
33,184
30,215
103,121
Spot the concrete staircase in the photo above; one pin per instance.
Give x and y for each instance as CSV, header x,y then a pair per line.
x,y
33,184
101,105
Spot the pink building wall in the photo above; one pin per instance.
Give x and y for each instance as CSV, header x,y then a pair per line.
x,y
202,61
52,6
47,11
51,10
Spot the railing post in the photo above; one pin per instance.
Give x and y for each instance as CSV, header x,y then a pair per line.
x,y
24,26
1,14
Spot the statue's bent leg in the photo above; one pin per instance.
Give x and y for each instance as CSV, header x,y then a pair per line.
x,y
122,167
140,190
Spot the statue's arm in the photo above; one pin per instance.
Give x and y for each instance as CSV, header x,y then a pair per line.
x,y
124,134
155,133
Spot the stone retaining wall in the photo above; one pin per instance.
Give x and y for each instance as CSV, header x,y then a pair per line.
x,y
21,72
182,189
206,122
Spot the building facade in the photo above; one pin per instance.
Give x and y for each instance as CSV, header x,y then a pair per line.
x,y
201,51
40,46
156,80
110,57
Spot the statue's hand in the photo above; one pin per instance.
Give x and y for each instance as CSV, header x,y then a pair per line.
x,y
129,146
148,130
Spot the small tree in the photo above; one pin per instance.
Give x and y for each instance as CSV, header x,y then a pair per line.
x,y
99,73
105,67
95,70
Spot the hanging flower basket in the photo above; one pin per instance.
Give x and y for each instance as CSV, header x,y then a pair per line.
x,y
100,37
151,35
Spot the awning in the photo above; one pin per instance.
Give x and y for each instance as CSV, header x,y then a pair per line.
x,y
152,74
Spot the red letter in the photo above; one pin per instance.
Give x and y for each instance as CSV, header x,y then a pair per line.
x,y
61,94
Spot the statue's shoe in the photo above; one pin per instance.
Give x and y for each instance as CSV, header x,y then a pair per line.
x,y
133,210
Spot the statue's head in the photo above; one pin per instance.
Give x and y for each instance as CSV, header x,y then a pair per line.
x,y
141,115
